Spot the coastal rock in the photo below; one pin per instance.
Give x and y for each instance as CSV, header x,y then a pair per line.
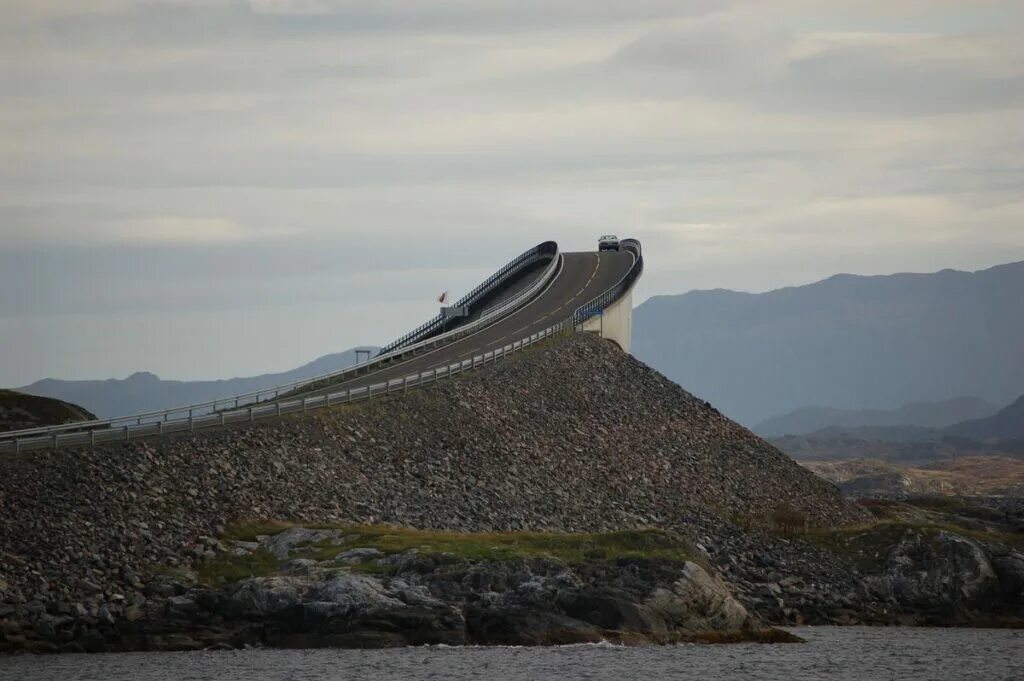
x,y
699,601
939,573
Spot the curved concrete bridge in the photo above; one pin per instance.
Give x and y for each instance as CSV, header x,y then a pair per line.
x,y
541,293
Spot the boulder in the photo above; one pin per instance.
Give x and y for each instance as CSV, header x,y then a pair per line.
x,y
526,627
698,601
938,574
356,594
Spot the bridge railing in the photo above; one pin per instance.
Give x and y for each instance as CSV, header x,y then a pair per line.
x,y
598,304
548,249
233,411
189,412
128,432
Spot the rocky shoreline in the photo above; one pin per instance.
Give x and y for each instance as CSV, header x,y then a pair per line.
x,y
568,439
328,587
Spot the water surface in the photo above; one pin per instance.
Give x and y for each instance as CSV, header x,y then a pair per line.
x,y
845,653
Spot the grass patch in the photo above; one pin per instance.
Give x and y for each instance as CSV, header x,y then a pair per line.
x,y
956,506
462,546
248,530
497,546
869,546
230,568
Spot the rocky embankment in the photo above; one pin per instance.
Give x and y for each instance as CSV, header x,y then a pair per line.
x,y
571,437
381,587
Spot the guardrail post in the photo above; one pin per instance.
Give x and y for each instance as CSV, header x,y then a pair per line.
x,y
251,417
17,445
55,441
277,405
305,406
127,434
191,423
159,427
223,415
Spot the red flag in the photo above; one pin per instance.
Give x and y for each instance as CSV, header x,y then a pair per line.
x,y
443,298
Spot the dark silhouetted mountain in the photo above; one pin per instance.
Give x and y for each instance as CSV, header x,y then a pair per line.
x,y
851,342
142,392
888,423
1008,424
18,411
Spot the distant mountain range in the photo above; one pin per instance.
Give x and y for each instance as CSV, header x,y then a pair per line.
x,y
1007,424
142,392
862,345
1000,434
919,416
850,342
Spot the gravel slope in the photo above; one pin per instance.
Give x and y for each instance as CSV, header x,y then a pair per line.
x,y
572,436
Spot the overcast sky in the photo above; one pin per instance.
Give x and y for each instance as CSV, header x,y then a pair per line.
x,y
206,188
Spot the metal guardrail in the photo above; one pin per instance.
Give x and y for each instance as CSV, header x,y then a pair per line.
x,y
535,254
189,412
252,413
598,304
123,429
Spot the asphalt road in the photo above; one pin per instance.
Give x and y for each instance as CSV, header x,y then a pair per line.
x,y
582,277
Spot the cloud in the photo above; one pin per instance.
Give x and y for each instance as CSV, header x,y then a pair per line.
x,y
223,156
176,230
843,73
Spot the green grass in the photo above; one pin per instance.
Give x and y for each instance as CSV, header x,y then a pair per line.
x,y
869,546
956,506
496,546
462,546
248,530
230,568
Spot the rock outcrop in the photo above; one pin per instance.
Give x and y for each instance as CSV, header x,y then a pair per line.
x,y
571,437
20,410
323,588
575,436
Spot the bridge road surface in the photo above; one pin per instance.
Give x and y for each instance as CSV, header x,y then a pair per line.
x,y
582,277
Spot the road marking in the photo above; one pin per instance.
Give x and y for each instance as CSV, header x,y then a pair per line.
x,y
540,295
497,341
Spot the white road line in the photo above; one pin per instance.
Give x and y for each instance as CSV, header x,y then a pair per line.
x,y
547,288
498,340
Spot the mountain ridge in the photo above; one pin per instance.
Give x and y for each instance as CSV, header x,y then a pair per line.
x,y
850,341
940,414
144,391
1006,424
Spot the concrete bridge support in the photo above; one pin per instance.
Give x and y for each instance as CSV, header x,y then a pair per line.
x,y
616,323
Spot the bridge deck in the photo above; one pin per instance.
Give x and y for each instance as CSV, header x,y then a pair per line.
x,y
582,277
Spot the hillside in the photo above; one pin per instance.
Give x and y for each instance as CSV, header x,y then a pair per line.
x,y
917,414
530,444
1000,435
1007,424
967,476
852,342
18,411
142,391
567,489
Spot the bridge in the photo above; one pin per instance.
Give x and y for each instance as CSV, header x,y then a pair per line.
x,y
540,294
